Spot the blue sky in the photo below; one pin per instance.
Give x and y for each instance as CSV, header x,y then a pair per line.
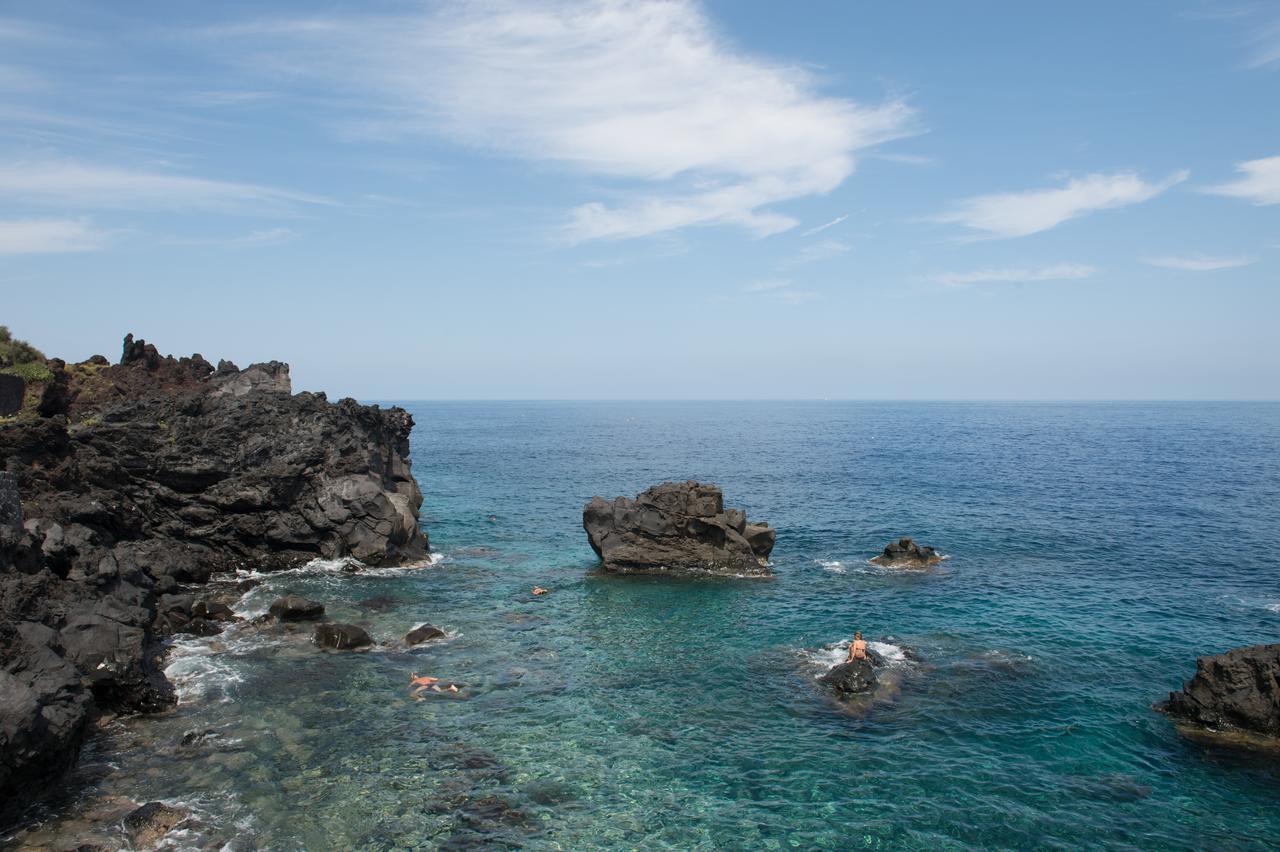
x,y
726,199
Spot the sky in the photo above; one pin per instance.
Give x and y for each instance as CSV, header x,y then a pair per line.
x,y
658,199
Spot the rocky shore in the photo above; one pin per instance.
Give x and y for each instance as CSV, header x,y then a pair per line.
x,y
124,487
1237,692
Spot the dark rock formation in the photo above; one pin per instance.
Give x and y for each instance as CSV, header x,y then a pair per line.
x,y
1235,691
905,553
148,824
854,678
12,391
140,478
681,527
341,637
296,608
423,633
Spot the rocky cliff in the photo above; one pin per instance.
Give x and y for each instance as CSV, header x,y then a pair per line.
x,y
123,484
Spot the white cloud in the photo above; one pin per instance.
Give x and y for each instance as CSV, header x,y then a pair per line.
x,y
48,236
1017,214
1267,47
62,183
694,130
820,228
780,289
766,286
822,250
1260,184
1059,272
1199,263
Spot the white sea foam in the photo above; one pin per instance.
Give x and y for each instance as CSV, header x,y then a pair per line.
x,y
1275,607
344,566
829,656
201,671
835,566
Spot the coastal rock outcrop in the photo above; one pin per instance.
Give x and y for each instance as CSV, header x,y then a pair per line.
x,y
677,527
296,608
905,553
423,633
1235,691
122,485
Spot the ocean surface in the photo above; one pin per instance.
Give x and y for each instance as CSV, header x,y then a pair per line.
x,y
1095,551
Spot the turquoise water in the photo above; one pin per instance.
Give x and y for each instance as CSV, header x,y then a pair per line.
x,y
1096,550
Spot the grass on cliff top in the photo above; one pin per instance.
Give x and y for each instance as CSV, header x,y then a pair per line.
x,y
16,353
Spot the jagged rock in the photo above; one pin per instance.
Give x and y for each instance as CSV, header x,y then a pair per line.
x,y
677,526
853,678
341,637
296,608
423,633
905,553
1235,691
154,473
147,825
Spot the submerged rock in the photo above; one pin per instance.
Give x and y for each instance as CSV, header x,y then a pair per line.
x,y
1235,691
677,527
341,637
850,679
905,553
296,608
423,633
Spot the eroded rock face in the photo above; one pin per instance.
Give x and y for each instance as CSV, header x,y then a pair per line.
x,y
905,553
677,527
1235,691
131,481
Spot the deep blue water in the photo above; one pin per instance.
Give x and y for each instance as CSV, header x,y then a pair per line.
x,y
1096,550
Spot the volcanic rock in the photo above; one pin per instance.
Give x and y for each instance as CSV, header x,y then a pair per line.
x,y
127,482
423,633
905,553
151,822
1235,691
341,637
677,527
296,608
853,678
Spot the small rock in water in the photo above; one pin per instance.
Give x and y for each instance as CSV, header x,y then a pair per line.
x,y
1235,691
201,627
296,608
905,553
212,611
151,822
341,637
856,677
247,585
423,633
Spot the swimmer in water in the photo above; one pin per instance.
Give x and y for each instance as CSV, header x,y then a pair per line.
x,y
538,590
425,683
857,649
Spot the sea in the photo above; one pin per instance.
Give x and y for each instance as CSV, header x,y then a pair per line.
x,y
1094,551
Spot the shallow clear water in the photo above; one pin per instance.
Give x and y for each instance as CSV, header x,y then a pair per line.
x,y
1096,550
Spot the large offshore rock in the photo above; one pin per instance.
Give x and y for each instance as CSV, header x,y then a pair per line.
x,y
1235,691
677,527
342,637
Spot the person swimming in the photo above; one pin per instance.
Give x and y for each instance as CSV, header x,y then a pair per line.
x,y
857,649
424,683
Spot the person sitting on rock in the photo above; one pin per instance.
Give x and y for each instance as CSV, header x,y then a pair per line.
x,y
857,649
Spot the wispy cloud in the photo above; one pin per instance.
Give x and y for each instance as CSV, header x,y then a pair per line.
x,y
905,159
1018,214
693,130
779,289
821,228
1266,47
48,236
1198,263
64,183
1260,184
1059,272
822,250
